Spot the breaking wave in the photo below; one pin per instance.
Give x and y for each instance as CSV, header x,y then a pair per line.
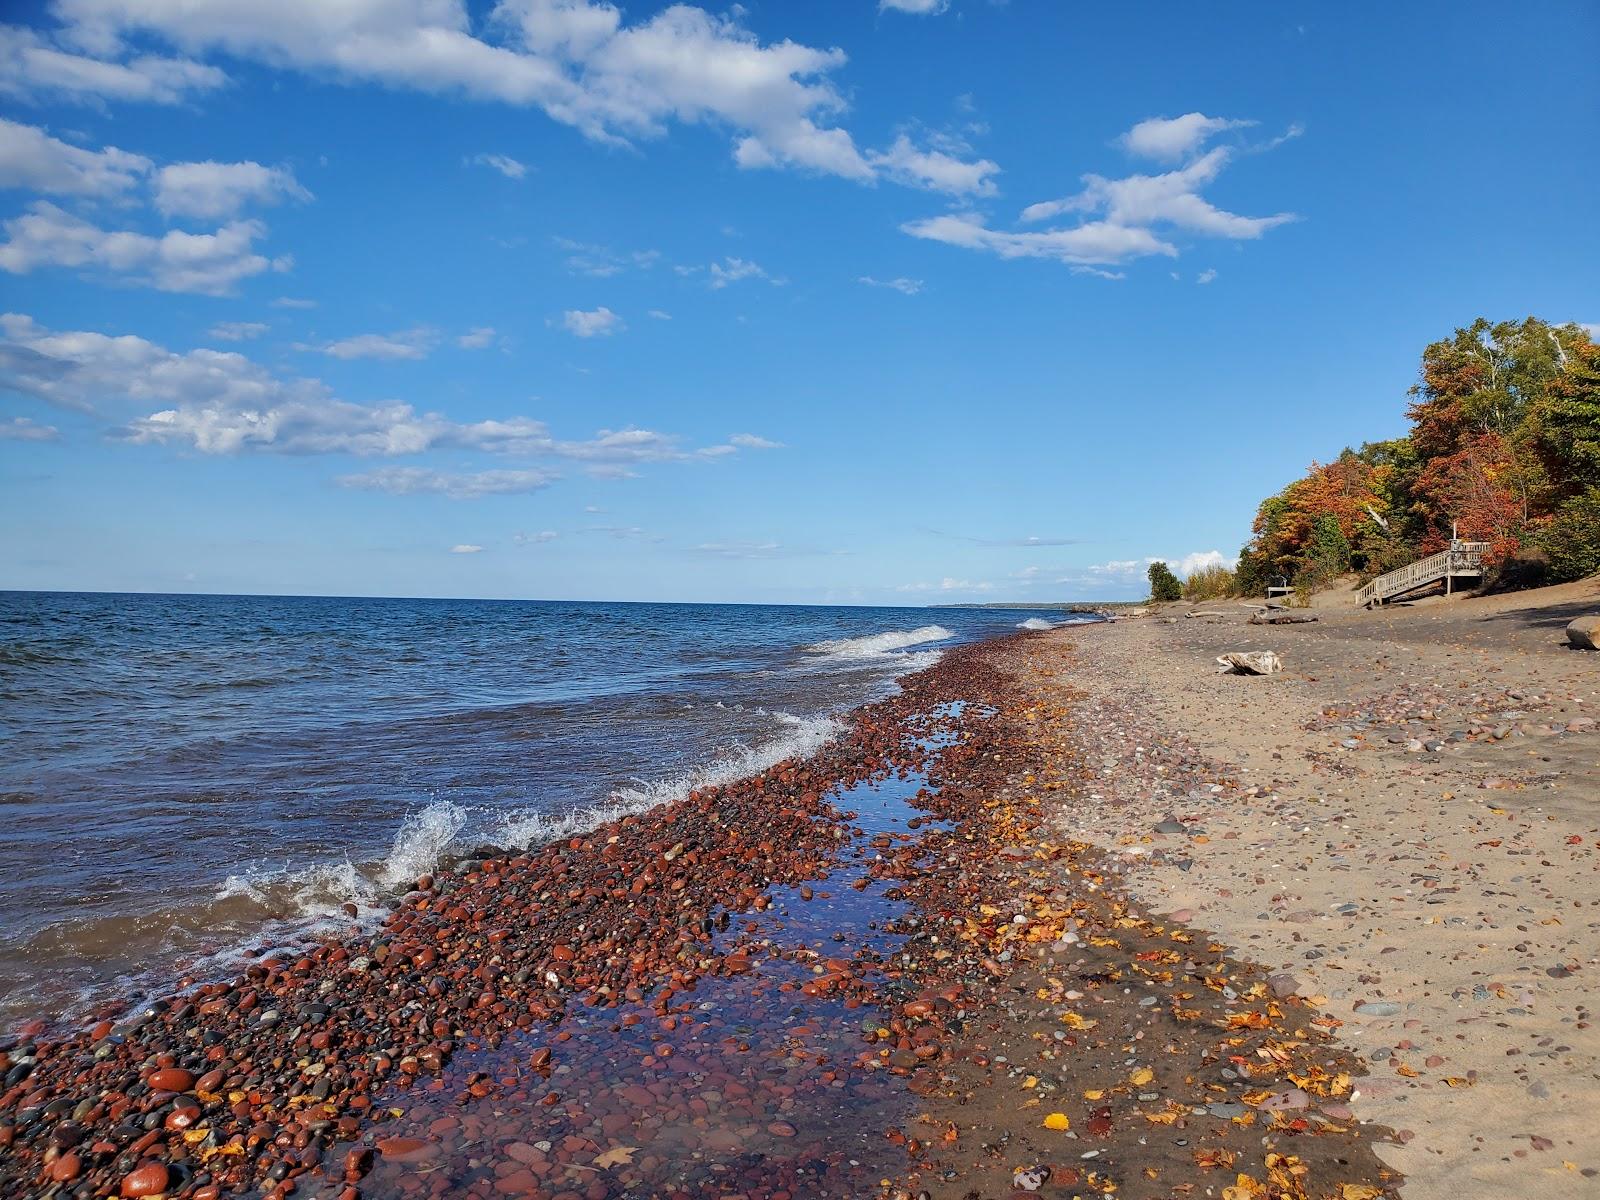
x,y
1036,623
804,737
878,645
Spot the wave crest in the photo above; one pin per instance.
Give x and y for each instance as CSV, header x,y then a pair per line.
x,y
878,645
806,735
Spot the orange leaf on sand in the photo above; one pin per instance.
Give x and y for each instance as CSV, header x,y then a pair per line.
x,y
1057,1121
1358,1191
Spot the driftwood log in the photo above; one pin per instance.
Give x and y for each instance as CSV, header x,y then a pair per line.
x,y
1281,616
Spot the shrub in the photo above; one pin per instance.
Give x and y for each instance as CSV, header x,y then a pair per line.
x,y
1250,576
1164,584
1210,583
1571,539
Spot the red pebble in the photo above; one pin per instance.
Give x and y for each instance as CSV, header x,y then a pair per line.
x,y
171,1079
149,1178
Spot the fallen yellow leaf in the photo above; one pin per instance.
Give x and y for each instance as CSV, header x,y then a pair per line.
x,y
1057,1121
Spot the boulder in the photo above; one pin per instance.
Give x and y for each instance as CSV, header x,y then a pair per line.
x,y
1584,633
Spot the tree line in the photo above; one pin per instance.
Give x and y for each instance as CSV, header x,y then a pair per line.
x,y
1504,448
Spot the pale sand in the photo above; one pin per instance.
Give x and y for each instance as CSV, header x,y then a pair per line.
x,y
1477,908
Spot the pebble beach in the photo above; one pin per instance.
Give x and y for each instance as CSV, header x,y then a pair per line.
x,y
1068,915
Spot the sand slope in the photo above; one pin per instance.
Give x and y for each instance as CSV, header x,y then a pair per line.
x,y
1442,895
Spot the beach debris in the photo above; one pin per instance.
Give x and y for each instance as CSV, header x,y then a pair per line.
x,y
1282,616
1249,662
1584,633
1030,1179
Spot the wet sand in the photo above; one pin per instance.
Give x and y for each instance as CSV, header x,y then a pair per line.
x,y
898,967
1404,826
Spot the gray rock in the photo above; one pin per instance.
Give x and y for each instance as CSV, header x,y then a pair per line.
x,y
1378,1009
1584,633
1283,984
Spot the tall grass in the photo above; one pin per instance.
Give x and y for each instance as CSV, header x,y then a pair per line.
x,y
1210,583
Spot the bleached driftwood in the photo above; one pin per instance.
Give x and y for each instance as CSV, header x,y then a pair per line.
x,y
1249,662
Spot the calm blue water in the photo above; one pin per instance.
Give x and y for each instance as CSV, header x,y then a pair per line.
x,y
184,776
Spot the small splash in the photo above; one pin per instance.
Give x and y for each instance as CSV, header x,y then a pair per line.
x,y
1036,623
878,645
422,838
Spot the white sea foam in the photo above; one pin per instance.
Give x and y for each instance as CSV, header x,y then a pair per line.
x,y
804,736
1036,623
879,645
422,838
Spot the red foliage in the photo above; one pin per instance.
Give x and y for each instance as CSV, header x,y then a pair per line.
x,y
1473,488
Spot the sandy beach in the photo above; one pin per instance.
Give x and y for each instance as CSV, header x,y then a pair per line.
x,y
1403,825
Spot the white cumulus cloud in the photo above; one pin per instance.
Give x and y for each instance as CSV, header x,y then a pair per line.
x,y
1172,138
30,158
936,170
598,322
207,263
213,190
579,61
34,67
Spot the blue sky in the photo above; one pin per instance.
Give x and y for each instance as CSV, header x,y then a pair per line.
x,y
834,302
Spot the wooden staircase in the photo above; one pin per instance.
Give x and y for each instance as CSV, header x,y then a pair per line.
x,y
1463,558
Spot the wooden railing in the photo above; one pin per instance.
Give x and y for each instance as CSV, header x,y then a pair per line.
x,y
1463,558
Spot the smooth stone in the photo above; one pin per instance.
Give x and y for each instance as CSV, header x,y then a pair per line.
x,y
149,1178
1378,1009
171,1079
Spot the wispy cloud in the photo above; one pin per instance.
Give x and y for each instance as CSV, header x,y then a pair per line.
x,y
948,584
472,485
236,331
602,262
1121,219
908,287
733,270
25,429
407,344
504,163
751,441
477,339
220,402
466,548
1025,541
